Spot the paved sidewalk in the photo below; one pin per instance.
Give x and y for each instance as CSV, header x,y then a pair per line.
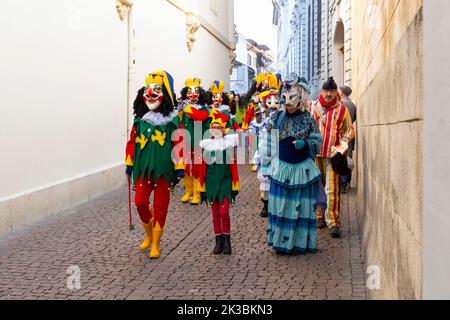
x,y
95,237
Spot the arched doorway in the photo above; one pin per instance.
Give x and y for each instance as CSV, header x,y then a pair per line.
x,y
338,53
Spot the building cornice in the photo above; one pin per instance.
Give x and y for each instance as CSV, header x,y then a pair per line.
x,y
122,7
204,24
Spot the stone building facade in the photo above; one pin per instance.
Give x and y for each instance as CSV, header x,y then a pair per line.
x,y
314,40
334,43
293,19
399,74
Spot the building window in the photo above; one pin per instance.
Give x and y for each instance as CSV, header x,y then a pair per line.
x,y
214,6
234,75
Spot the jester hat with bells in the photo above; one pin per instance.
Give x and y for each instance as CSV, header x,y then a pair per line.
x,y
219,119
217,87
272,86
262,81
193,82
271,93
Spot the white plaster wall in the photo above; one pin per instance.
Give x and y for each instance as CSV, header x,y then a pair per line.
x,y
221,18
161,45
436,215
63,91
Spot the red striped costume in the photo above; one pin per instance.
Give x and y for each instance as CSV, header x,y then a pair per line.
x,y
335,125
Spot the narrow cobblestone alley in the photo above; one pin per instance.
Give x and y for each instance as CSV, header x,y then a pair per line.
x,y
95,237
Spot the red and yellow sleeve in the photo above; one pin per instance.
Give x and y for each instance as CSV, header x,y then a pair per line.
x,y
249,116
235,175
236,126
196,114
202,177
129,150
179,146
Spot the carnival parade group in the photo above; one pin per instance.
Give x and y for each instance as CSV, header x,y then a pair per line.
x,y
298,150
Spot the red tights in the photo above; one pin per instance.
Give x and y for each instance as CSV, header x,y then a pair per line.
x,y
221,217
161,189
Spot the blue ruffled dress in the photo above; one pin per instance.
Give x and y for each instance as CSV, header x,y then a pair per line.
x,y
294,184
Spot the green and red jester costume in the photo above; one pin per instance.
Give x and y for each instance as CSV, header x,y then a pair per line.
x,y
193,114
151,160
219,103
221,183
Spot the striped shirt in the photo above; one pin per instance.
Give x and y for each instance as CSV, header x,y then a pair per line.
x,y
335,125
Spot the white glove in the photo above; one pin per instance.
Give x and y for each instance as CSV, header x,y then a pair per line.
x,y
341,148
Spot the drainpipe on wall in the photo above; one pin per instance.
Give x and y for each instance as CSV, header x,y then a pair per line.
x,y
124,9
130,70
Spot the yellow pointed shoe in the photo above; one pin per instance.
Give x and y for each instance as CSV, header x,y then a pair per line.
x,y
145,245
156,250
188,187
196,197
254,168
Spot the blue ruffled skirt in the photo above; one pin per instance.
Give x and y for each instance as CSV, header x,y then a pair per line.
x,y
292,205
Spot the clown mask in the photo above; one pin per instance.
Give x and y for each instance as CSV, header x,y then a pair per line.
x,y
217,131
272,102
193,94
153,96
217,100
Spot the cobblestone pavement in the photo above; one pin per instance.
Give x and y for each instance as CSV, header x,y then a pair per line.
x,y
95,237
